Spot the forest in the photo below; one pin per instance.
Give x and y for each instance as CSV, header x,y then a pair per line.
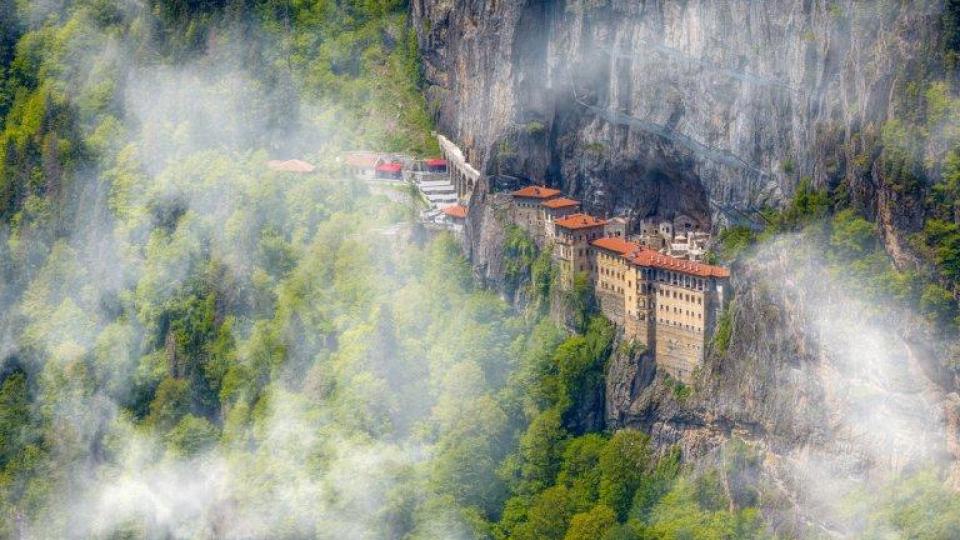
x,y
194,346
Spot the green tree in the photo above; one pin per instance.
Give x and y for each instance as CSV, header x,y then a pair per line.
x,y
191,436
852,236
170,403
591,525
548,517
624,462
15,417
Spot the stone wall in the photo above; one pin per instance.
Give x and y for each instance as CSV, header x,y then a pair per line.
x,y
678,351
611,305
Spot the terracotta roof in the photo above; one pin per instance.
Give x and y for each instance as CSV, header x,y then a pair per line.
x,y
560,202
651,258
579,221
435,162
292,165
536,192
364,160
390,167
456,211
616,244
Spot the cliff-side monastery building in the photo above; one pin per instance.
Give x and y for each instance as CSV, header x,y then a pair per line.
x,y
652,283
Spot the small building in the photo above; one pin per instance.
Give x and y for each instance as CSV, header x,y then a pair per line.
x,y
666,230
362,165
455,216
291,166
683,224
527,208
552,210
650,235
573,235
389,171
435,165
618,227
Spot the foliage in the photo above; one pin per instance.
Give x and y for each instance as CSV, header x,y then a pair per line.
x,y
724,330
735,240
808,204
917,505
519,254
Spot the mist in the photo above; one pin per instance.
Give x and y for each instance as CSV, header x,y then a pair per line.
x,y
328,384
196,346
847,379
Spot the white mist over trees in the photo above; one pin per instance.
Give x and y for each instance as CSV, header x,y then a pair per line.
x,y
192,346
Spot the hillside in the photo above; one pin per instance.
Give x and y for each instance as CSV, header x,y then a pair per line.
x,y
196,345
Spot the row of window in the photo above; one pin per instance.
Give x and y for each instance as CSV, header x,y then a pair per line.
x,y
682,296
678,324
679,311
608,287
587,237
609,272
683,280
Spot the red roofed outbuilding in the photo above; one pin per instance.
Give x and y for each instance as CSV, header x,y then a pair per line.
x,y
574,233
528,212
554,209
291,166
456,211
575,222
362,164
392,171
435,165
536,192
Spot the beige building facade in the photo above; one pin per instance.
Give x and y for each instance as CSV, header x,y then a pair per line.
x,y
667,303
572,248
552,210
528,209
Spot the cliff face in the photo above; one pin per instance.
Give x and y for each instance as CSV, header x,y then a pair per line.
x,y
831,388
707,108
715,109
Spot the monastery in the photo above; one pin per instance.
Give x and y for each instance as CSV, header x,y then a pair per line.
x,y
652,283
648,279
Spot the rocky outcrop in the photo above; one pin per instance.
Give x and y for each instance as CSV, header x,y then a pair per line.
x,y
710,108
834,389
716,109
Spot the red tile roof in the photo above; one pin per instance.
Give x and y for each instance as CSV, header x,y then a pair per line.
x,y
390,167
561,202
363,160
292,165
456,211
616,244
536,192
579,221
651,258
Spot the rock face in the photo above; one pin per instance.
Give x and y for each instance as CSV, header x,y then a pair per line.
x,y
832,389
714,109
711,108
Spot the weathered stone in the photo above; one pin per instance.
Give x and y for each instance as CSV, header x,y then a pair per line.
x,y
713,109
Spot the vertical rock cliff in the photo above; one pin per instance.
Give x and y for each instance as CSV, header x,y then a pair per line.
x,y
711,108
716,109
